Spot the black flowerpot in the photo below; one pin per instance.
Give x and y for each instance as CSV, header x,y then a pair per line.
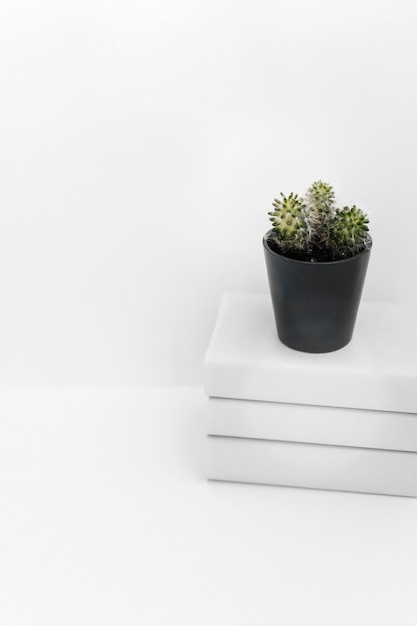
x,y
315,303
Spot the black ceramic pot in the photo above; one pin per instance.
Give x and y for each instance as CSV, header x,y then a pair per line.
x,y
315,303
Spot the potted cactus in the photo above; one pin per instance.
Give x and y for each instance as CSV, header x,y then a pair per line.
x,y
316,256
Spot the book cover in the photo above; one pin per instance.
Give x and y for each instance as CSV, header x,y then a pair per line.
x,y
312,424
311,465
377,370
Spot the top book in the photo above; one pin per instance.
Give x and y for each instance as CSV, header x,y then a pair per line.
x,y
377,370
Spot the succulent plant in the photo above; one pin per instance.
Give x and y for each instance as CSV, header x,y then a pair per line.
x,y
289,221
314,229
321,208
349,230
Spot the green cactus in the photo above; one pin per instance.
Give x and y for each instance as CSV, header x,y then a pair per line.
x,y
320,202
349,231
289,222
314,229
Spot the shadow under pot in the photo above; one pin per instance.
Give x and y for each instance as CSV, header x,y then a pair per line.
x,y
315,303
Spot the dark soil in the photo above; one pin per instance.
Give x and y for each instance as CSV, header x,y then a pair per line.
x,y
313,255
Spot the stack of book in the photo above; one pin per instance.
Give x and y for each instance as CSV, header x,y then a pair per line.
x,y
344,420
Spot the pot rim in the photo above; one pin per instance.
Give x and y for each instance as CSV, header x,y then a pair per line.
x,y
309,263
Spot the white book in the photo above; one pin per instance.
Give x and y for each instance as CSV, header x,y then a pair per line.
x,y
311,465
312,424
377,370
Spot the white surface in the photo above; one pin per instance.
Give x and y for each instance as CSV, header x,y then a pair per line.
x,y
142,144
312,466
312,424
376,370
106,518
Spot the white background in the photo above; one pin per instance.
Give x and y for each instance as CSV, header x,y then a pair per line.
x,y
142,143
